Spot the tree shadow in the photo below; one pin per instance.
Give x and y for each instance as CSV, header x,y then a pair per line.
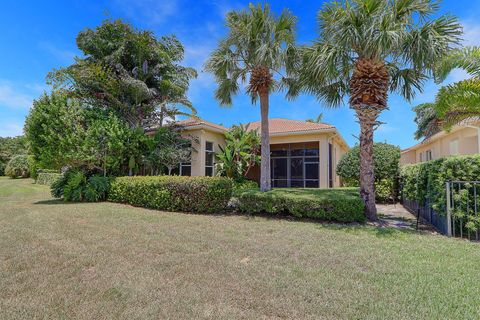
x,y
54,201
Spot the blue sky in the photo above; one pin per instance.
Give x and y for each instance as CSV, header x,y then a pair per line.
x,y
38,36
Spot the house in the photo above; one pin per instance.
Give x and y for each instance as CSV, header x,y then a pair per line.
x,y
303,154
462,139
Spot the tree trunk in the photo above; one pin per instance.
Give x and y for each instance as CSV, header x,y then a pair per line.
x,y
265,175
367,176
368,97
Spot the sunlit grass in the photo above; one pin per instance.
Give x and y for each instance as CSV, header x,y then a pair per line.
x,y
105,260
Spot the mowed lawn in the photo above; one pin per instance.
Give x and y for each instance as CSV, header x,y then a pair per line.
x,y
105,260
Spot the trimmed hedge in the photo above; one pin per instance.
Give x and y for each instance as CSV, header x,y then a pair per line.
x,y
173,193
342,205
426,180
47,178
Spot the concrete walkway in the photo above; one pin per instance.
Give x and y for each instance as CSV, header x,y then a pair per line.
x,y
396,216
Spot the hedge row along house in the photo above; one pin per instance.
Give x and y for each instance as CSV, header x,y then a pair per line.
x,y
303,154
462,139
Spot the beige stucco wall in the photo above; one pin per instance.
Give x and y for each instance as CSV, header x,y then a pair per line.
x,y
440,145
198,157
339,148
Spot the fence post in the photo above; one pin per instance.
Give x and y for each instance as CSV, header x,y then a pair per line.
x,y
449,209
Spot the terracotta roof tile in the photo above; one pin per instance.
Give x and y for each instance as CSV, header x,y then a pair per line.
x,y
284,126
192,122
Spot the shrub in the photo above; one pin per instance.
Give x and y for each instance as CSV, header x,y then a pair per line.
x,y
386,162
79,184
173,193
239,186
17,167
426,180
47,178
343,205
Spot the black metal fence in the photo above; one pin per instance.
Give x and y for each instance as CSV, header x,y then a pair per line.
x,y
462,216
428,215
463,208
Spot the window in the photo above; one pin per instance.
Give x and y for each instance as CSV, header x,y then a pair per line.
x,y
428,155
454,147
295,165
421,157
186,169
209,159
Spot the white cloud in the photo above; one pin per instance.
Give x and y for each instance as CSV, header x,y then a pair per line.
x,y
12,96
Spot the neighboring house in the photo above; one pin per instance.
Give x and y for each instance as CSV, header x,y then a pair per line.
x,y
462,139
303,154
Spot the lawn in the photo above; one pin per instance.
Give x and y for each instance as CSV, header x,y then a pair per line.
x,y
105,260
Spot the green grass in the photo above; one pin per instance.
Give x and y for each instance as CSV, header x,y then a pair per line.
x,y
312,194
103,260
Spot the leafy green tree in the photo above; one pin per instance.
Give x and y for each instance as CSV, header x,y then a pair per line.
x,y
62,131
105,143
368,48
258,47
127,71
427,120
10,146
17,167
170,148
387,165
240,153
55,130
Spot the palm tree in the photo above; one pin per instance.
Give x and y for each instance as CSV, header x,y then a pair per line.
x,y
257,47
427,120
368,48
460,100
318,119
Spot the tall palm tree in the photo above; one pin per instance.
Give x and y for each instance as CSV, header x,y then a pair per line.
x,y
259,47
368,48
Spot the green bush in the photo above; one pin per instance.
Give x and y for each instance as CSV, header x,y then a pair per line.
x,y
387,166
47,178
343,205
79,184
17,167
426,182
239,186
173,193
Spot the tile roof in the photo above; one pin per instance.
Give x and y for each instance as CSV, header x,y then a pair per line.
x,y
278,125
193,122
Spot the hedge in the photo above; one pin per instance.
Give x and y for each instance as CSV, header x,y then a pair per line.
x,y
173,193
47,178
342,205
426,181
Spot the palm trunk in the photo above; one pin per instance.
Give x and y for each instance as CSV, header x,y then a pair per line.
x,y
265,176
367,176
